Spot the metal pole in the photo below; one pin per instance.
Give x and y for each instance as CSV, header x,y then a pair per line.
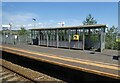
x,y
34,21
47,38
101,41
69,31
57,39
112,40
83,39
10,33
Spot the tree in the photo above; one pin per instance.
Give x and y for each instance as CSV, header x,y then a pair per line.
x,y
0,32
89,20
111,38
22,35
23,31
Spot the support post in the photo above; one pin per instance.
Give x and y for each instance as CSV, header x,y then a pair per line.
x,y
69,37
102,43
57,39
39,38
83,39
31,39
11,34
47,37
101,40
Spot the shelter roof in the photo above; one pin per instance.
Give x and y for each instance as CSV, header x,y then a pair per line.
x,y
73,27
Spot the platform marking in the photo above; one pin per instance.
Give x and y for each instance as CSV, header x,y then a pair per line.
x,y
79,58
74,58
71,60
72,66
56,57
71,57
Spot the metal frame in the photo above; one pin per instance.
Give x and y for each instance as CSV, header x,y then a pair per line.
x,y
62,37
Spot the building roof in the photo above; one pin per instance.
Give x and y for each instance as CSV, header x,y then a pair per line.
x,y
5,25
72,27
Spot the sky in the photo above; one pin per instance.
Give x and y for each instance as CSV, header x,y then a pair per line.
x,y
50,14
60,0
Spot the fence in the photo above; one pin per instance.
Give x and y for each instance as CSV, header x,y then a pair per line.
x,y
11,39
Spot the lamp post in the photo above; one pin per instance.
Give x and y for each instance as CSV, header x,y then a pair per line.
x,y
62,23
34,27
10,32
34,21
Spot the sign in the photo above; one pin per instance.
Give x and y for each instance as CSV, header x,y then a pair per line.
x,y
75,37
15,36
117,39
6,36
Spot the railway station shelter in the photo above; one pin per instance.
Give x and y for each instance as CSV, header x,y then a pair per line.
x,y
83,37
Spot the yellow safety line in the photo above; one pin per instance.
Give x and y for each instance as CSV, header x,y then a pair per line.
x,y
90,61
70,66
77,58
71,60
94,64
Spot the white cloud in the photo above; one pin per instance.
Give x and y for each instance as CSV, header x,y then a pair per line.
x,y
29,25
25,20
39,23
18,19
18,25
70,22
57,23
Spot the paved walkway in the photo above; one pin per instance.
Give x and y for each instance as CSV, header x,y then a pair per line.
x,y
77,59
106,56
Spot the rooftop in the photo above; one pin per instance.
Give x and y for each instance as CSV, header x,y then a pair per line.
x,y
71,27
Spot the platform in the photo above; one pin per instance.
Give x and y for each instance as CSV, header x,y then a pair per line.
x,y
98,63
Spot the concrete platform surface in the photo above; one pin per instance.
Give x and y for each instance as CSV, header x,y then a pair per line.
x,y
98,62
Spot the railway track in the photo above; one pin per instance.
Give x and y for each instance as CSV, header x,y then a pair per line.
x,y
10,72
6,75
